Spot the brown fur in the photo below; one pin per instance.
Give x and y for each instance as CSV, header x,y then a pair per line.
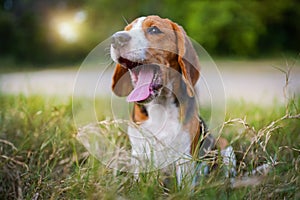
x,y
171,49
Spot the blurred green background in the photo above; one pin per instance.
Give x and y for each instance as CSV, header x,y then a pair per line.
x,y
42,32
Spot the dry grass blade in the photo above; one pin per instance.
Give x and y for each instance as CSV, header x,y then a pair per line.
x,y
9,143
15,161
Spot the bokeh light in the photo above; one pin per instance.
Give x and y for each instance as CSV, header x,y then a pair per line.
x,y
67,31
68,25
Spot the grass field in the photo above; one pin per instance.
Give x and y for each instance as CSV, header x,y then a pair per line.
x,y
40,157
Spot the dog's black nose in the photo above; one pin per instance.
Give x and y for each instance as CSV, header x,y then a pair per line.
x,y
120,39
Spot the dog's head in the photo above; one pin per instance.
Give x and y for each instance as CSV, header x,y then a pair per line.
x,y
145,49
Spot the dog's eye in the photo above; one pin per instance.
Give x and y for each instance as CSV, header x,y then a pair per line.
x,y
154,30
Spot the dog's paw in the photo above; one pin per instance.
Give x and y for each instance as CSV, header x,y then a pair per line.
x,y
229,161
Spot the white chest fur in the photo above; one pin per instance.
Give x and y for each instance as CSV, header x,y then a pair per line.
x,y
160,140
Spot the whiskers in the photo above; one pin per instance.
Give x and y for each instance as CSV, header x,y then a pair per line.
x,y
107,52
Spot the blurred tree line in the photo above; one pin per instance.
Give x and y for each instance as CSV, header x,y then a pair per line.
x,y
223,28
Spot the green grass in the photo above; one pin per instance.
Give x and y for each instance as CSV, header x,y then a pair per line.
x,y
40,157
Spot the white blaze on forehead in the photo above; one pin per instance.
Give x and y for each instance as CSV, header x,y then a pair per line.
x,y
139,43
139,23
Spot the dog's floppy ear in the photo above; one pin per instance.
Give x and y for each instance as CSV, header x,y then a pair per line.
x,y
121,81
187,59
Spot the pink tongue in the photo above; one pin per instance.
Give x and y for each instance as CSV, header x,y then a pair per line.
x,y
142,88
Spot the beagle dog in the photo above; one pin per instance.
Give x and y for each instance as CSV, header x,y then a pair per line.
x,y
157,69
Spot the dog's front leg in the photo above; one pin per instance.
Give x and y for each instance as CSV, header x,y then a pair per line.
x,y
135,165
185,171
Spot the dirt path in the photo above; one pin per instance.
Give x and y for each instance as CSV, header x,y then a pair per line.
x,y
257,82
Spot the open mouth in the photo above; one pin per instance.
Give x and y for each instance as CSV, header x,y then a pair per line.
x,y
146,79
127,63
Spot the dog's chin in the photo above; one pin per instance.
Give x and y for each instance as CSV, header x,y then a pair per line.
x,y
152,97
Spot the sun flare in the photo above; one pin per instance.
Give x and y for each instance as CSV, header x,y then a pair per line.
x,y
67,31
67,26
